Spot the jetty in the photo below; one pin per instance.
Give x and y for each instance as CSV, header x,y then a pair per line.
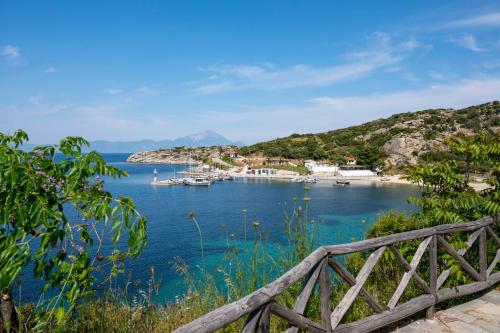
x,y
318,267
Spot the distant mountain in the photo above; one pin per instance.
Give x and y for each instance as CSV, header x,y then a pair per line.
x,y
202,139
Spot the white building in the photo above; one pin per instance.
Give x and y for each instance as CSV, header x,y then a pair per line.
x,y
320,168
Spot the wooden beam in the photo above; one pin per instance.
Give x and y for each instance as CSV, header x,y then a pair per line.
x,y
324,296
493,263
467,289
409,274
493,234
483,256
295,319
307,288
351,294
421,282
373,243
351,280
252,320
465,265
264,320
385,318
444,274
433,271
229,313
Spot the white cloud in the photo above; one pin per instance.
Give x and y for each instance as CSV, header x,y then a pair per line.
x,y
50,70
380,53
467,41
465,93
146,91
411,44
486,20
328,113
436,75
11,52
112,91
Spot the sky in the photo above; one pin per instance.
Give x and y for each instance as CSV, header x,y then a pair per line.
x,y
250,70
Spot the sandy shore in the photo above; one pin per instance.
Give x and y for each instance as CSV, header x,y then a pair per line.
x,y
398,179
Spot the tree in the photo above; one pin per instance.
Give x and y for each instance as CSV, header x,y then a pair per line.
x,y
55,214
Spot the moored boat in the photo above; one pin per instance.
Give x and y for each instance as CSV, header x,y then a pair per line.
x,y
198,181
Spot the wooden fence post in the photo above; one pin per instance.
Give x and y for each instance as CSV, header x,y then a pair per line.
x,y
324,290
432,275
483,261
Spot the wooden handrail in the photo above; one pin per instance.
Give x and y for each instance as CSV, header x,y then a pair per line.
x,y
314,268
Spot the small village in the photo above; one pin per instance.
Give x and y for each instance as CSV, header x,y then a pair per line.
x,y
207,165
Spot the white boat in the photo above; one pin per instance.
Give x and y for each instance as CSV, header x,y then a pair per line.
x,y
198,181
168,182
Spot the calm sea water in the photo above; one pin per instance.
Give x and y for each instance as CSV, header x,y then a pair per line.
x,y
345,213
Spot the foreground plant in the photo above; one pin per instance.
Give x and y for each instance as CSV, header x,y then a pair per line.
x,y
55,215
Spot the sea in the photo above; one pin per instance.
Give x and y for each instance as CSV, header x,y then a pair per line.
x,y
343,215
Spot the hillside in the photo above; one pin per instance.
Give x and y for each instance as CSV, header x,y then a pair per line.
x,y
404,138
178,155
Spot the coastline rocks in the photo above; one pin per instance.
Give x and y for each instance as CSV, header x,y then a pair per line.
x,y
160,157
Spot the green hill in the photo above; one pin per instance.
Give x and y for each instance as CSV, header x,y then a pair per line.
x,y
404,138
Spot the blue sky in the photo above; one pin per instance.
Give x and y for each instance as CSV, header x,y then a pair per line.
x,y
128,70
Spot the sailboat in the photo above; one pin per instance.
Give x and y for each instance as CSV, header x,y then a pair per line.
x,y
195,181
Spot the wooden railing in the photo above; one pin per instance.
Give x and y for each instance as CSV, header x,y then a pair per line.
x,y
314,269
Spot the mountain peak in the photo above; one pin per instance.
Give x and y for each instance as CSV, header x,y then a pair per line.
x,y
206,138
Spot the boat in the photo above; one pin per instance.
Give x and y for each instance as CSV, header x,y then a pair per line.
x,y
168,182
311,180
385,179
197,181
342,182
228,177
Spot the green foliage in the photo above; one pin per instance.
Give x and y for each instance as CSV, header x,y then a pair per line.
x,y
365,142
446,198
56,214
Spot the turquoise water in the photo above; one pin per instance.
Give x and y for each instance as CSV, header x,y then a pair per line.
x,y
345,214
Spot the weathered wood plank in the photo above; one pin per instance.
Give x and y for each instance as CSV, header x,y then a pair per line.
x,y
231,312
493,263
295,319
474,287
307,288
265,320
433,271
483,261
493,234
421,282
444,274
252,320
465,265
385,318
408,275
234,311
351,294
351,280
304,295
409,235
324,296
